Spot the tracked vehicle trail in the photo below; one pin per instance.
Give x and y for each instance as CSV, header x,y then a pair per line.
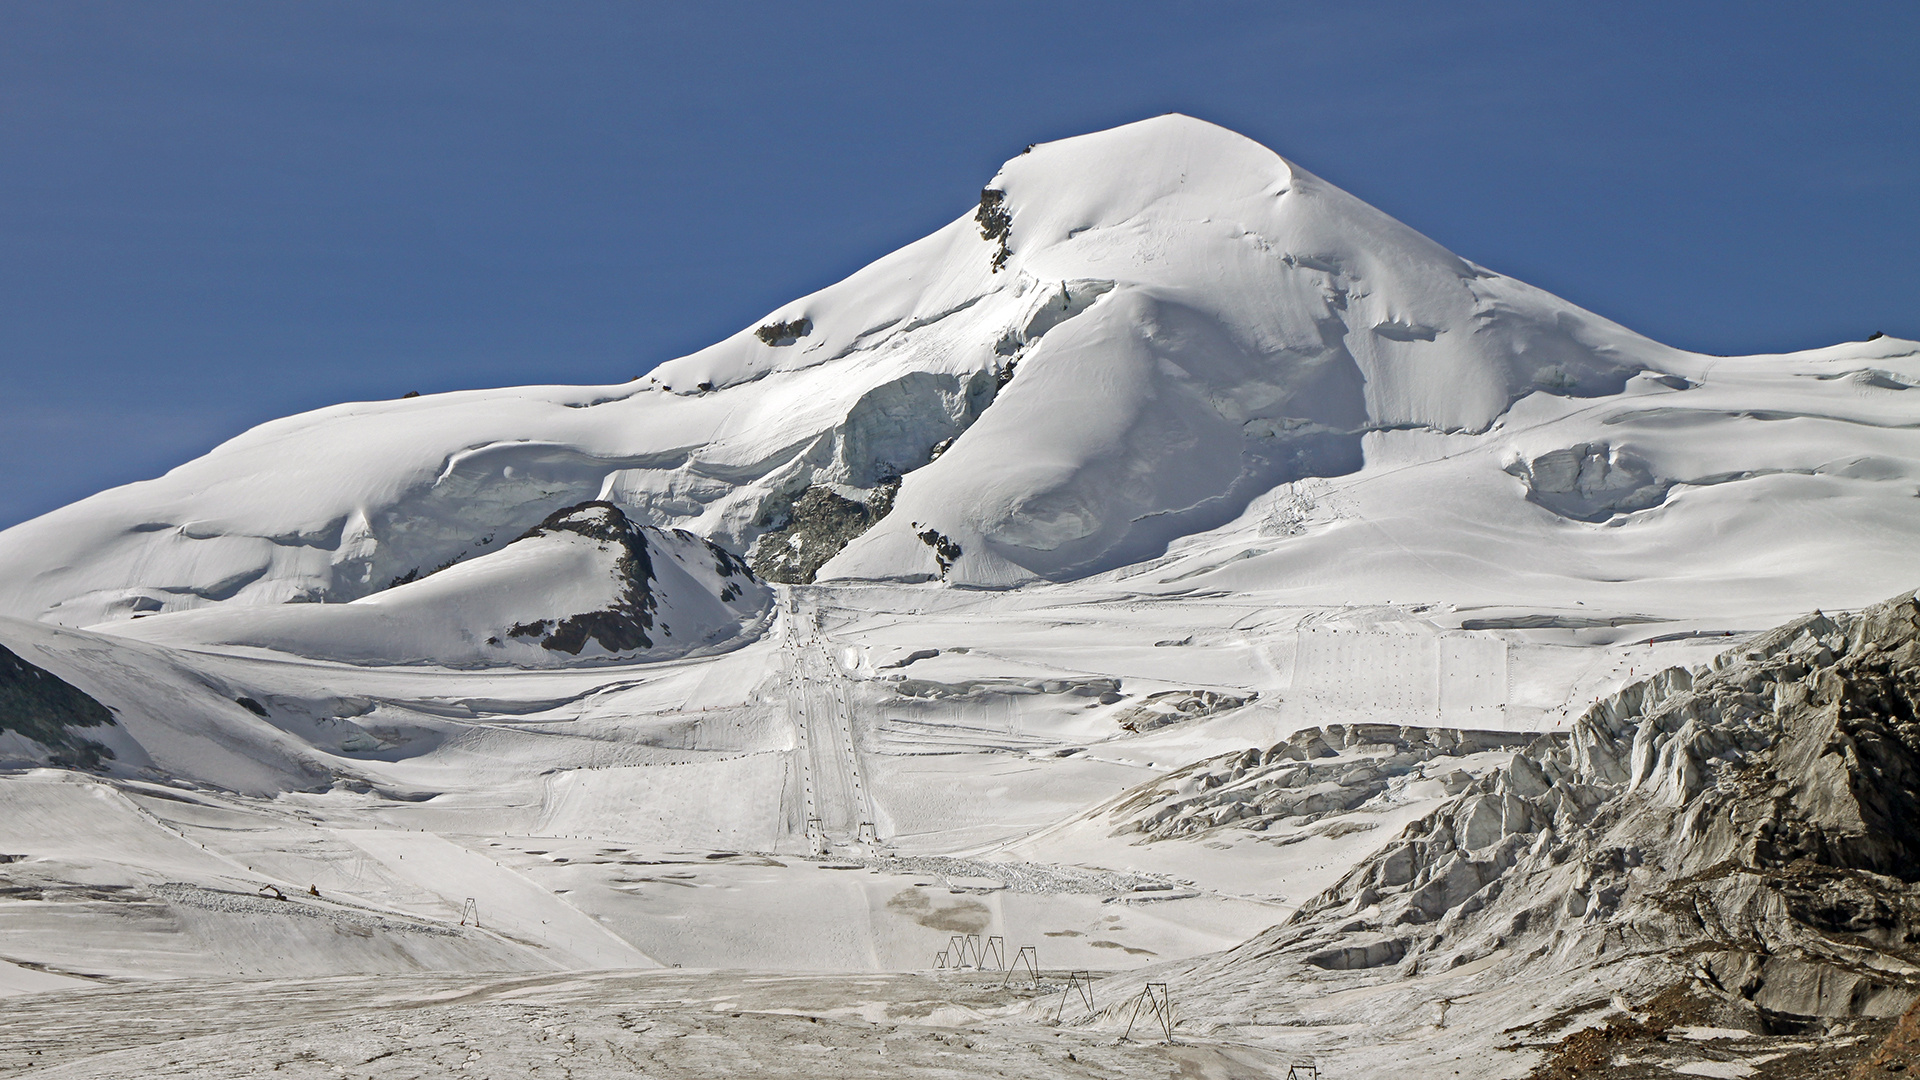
x,y
837,805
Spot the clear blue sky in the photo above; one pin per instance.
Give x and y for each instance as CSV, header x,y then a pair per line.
x,y
215,214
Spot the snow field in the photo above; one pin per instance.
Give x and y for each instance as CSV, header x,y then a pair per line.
x,y
515,907
149,899
673,763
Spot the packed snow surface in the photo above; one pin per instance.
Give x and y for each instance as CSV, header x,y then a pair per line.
x,y
1149,548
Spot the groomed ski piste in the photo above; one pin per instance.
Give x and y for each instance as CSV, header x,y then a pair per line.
x,y
1117,572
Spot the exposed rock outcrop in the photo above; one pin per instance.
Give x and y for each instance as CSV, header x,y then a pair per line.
x,y
588,584
779,333
622,625
820,523
41,706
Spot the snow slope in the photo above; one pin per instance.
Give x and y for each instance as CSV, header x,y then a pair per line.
x,y
585,584
667,800
1739,492
1182,320
170,717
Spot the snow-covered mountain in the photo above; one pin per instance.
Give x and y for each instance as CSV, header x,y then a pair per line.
x,y
1171,563
1135,337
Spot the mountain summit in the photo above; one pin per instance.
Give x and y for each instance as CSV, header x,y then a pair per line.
x,y
1138,338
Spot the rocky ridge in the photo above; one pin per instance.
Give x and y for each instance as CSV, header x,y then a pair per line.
x,y
624,623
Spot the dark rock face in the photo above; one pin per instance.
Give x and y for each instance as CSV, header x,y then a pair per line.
x,y
44,707
821,522
779,333
996,224
1899,1054
946,551
624,626
893,429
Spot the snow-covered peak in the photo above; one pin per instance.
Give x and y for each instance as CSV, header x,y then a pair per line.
x,y
1125,340
1213,219
1170,167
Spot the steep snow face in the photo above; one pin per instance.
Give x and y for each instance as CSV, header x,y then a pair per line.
x,y
1224,322
1135,334
586,584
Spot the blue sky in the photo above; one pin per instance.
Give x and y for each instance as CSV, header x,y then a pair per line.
x,y
215,214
